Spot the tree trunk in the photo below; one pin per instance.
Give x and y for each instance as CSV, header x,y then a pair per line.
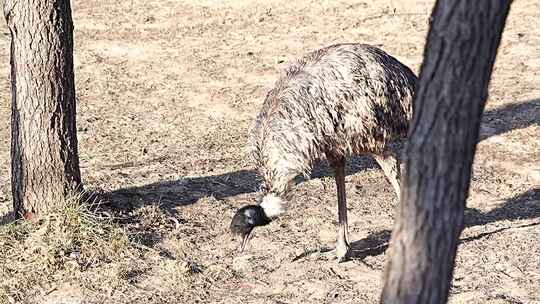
x,y
44,157
458,61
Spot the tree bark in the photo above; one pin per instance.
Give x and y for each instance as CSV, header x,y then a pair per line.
x,y
44,156
458,60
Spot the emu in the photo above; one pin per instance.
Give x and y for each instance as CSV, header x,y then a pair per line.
x,y
336,102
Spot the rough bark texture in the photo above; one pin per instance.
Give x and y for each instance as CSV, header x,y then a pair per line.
x,y
45,164
459,56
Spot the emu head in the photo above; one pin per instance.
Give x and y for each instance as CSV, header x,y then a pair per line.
x,y
251,216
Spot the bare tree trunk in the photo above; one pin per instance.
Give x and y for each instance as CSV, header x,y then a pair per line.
x,y
458,61
45,163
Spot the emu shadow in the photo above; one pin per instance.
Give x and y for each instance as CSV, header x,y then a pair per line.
x,y
182,192
523,206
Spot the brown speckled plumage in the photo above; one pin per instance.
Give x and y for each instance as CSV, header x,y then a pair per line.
x,y
338,101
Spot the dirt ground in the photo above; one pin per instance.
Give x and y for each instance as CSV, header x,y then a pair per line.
x,y
166,93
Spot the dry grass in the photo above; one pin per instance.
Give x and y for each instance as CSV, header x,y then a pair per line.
x,y
83,250
73,238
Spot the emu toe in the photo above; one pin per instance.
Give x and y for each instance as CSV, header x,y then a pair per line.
x,y
341,251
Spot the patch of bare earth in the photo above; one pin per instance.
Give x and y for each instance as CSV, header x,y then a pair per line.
x,y
166,93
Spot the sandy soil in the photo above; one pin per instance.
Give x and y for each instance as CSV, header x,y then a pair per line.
x,y
166,93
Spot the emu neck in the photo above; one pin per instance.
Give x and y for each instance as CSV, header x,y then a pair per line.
x,y
281,158
273,205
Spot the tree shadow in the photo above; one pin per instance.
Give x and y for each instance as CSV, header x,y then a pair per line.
x,y
187,191
510,117
7,218
523,206
171,194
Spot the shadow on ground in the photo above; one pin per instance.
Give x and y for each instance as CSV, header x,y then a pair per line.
x,y
170,194
513,116
7,218
187,191
523,206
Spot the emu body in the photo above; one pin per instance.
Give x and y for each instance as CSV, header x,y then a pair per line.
x,y
339,101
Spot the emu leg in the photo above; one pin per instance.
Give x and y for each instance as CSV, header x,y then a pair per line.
x,y
343,231
391,167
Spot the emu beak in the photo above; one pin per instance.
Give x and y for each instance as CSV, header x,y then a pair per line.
x,y
245,241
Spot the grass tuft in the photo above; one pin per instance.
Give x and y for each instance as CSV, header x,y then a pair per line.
x,y
72,238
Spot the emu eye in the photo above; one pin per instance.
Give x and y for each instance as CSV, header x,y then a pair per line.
x,y
263,188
